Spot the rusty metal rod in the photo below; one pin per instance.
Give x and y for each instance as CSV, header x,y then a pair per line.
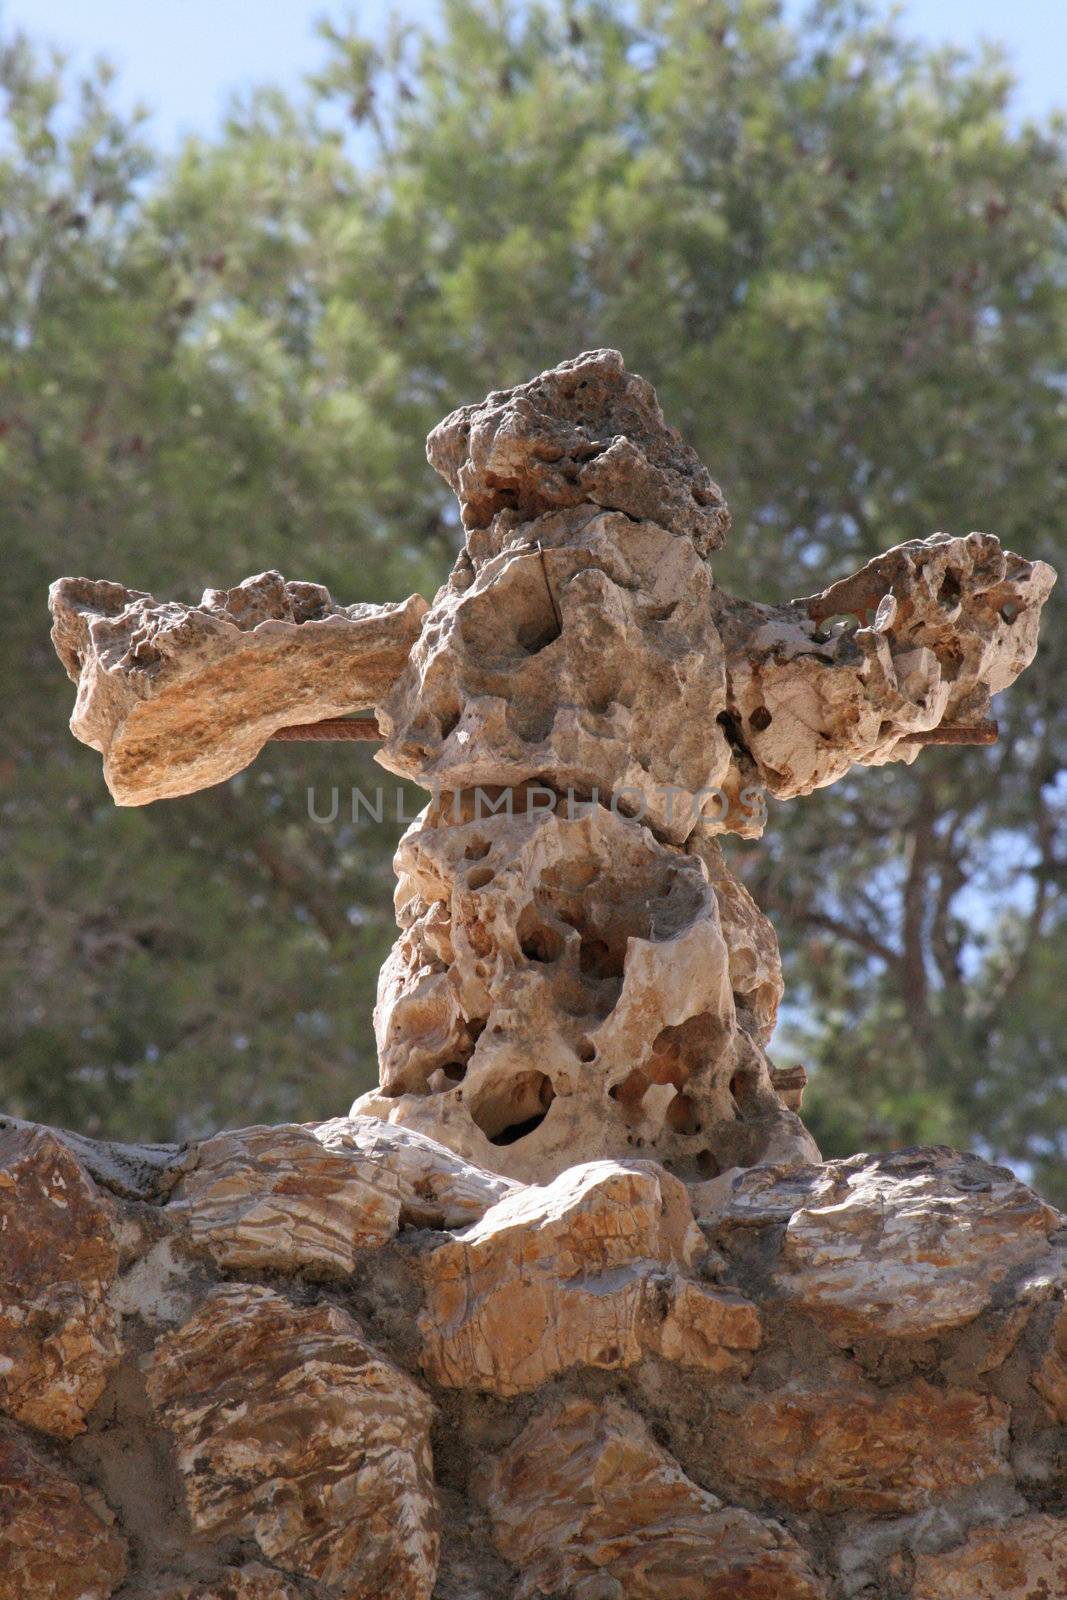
x,y
956,733
350,730
331,728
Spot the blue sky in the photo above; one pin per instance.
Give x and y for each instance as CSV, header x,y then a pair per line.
x,y
183,57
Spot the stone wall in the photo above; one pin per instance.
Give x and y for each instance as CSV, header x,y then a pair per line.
x,y
342,1363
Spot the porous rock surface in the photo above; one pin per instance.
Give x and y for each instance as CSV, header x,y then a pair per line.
x,y
578,975
568,1306
178,697
577,969
612,1386
564,984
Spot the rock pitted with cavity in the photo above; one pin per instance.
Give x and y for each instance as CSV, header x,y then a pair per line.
x,y
480,1343
179,697
578,974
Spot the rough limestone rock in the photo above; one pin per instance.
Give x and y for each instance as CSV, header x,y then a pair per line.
x,y
584,1502
1025,1559
179,697
755,964
588,1271
623,1403
905,1246
578,975
59,1257
563,985
58,1540
585,433
568,1306
924,634
291,1430
582,666
849,1446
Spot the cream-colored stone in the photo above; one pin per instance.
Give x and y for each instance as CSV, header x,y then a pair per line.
x,y
57,1540
588,1271
1025,1559
562,989
589,979
926,633
584,433
904,1246
58,1259
581,651
617,694
844,1445
292,1431
436,1188
584,1502
281,1198
179,697
752,945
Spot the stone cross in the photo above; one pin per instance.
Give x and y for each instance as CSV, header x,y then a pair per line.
x,y
578,974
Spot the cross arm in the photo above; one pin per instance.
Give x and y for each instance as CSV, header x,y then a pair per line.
x,y
179,697
905,652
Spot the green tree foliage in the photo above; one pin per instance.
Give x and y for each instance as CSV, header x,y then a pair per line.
x,y
842,263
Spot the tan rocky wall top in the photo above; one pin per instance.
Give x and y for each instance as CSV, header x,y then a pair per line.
x,y
841,1381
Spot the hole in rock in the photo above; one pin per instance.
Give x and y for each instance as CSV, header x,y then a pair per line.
x,y
682,1115
595,959
508,1110
518,1130
448,723
760,719
744,1090
631,1091
706,1164
477,850
680,1051
536,637
586,1050
950,591
732,732
480,877
537,941
455,1071
542,945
